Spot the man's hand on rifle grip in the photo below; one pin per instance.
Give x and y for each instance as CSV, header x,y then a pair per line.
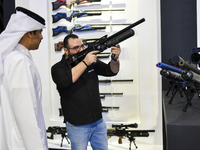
x,y
115,51
91,57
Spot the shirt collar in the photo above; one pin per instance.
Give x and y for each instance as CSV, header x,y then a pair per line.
x,y
23,49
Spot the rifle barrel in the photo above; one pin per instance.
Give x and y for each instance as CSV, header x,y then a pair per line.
x,y
111,93
190,76
90,10
108,24
117,80
188,66
103,55
111,107
126,29
102,96
171,75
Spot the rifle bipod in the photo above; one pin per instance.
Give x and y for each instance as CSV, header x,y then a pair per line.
x,y
188,89
64,136
131,139
189,103
178,86
171,84
193,90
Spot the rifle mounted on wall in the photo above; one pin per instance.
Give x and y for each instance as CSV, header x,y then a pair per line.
x,y
79,14
123,131
57,4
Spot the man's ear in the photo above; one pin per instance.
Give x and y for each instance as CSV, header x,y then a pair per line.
x,y
66,51
29,34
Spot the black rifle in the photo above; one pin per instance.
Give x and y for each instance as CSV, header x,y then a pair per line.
x,y
57,130
123,131
192,67
106,108
192,74
117,80
178,83
174,73
111,93
89,41
102,95
79,14
103,43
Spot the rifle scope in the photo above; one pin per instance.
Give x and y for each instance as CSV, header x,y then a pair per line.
x,y
135,125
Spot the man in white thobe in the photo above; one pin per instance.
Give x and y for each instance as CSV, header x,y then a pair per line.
x,y
22,124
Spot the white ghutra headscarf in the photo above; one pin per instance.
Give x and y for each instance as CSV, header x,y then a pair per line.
x,y
20,23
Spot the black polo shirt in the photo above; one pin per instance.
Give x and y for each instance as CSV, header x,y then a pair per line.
x,y
80,101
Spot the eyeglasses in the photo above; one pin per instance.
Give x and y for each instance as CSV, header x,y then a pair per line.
x,y
77,48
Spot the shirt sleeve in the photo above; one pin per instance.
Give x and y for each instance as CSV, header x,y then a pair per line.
x,y
24,103
61,75
104,69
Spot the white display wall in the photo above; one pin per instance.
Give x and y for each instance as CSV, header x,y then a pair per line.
x,y
141,101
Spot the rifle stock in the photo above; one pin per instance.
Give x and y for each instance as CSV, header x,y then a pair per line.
x,y
122,131
57,4
60,16
77,28
58,46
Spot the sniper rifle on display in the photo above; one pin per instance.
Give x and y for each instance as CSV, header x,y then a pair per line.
x,y
123,131
79,14
57,4
115,80
57,130
185,78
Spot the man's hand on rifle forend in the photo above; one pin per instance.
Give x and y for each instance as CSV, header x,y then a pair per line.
x,y
91,57
116,50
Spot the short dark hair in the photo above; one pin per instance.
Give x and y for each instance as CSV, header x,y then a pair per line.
x,y
66,43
